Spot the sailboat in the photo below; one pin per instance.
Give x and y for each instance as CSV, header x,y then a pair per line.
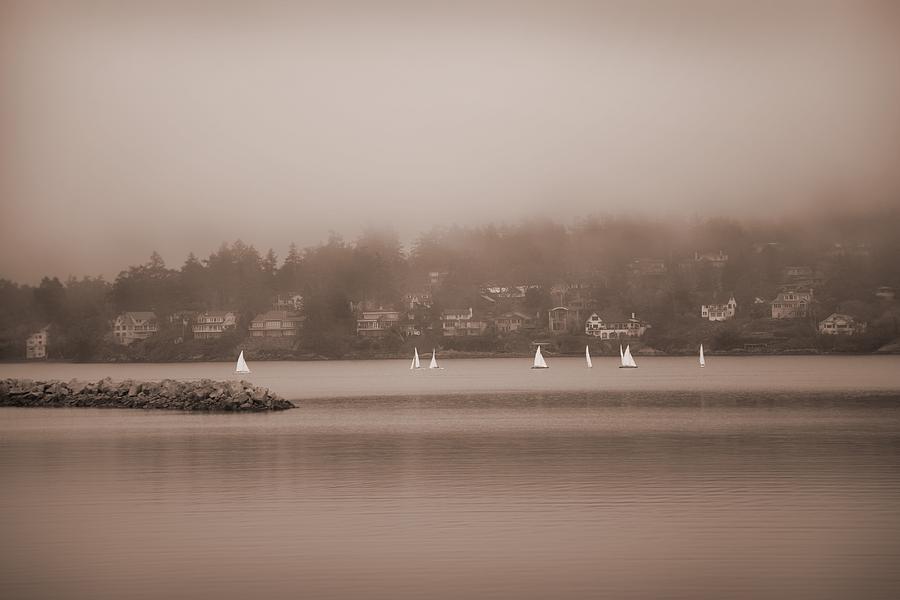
x,y
627,359
415,361
539,362
587,357
434,364
241,366
702,360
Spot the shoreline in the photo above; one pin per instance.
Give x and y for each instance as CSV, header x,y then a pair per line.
x,y
449,355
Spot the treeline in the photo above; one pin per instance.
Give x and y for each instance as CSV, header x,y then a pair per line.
x,y
336,275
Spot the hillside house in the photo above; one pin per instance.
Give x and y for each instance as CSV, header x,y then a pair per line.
x,y
558,320
840,324
719,312
291,302
717,259
615,327
213,323
792,304
276,323
514,321
129,327
457,322
36,344
376,323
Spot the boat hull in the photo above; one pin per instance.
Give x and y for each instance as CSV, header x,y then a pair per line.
x,y
627,367
540,367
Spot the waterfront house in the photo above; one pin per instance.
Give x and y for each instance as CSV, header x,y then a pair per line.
x,y
132,326
719,312
376,323
558,320
514,321
456,322
276,323
213,323
841,324
36,344
791,304
615,327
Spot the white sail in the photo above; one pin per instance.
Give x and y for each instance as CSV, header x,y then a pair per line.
x,y
415,361
433,364
587,356
539,362
241,366
702,360
627,359
621,354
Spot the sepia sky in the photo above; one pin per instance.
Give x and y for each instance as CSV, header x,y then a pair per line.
x,y
127,127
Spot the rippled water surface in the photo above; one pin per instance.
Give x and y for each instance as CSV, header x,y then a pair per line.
x,y
773,491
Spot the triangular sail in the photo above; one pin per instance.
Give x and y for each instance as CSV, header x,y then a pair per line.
x,y
241,366
621,354
587,357
415,361
702,360
627,359
539,362
433,364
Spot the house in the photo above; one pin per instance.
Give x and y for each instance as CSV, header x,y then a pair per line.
x,y
719,312
291,302
717,259
417,299
436,278
132,326
885,292
614,328
375,323
503,291
36,344
456,322
577,298
641,267
854,249
840,324
514,321
791,304
796,272
558,320
213,323
276,323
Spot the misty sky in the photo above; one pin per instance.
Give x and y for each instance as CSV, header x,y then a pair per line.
x,y
125,129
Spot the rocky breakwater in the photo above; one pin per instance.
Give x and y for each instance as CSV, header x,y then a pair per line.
x,y
203,395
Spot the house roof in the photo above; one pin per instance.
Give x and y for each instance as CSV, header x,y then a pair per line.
x,y
279,315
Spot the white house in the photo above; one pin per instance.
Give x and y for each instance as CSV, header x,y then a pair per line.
x,y
456,322
276,323
135,325
213,323
612,328
719,312
36,344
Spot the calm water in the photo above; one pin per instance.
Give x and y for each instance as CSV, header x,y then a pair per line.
x,y
602,483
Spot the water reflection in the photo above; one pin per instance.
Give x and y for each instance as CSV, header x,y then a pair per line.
x,y
631,495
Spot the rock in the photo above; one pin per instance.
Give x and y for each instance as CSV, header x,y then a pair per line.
x,y
204,395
